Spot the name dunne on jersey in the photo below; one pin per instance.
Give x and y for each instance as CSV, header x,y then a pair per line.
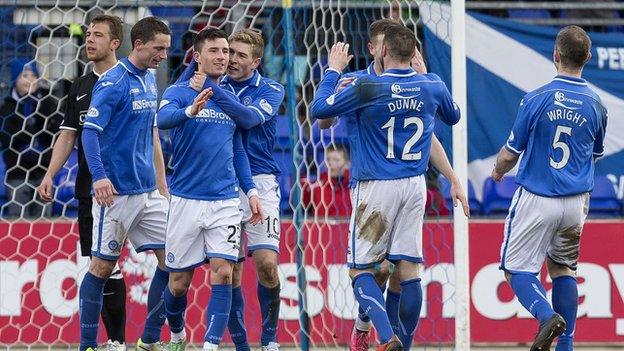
x,y
406,104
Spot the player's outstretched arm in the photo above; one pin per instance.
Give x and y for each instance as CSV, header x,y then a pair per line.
x,y
243,174
441,162
448,111
63,147
159,165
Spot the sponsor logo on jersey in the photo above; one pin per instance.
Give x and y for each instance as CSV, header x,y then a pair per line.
x,y
143,104
247,100
78,98
331,99
398,89
93,112
560,98
210,113
266,106
135,91
163,103
105,84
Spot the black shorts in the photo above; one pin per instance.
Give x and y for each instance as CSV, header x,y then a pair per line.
x,y
85,225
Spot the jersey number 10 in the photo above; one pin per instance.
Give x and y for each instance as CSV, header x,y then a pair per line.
x,y
406,155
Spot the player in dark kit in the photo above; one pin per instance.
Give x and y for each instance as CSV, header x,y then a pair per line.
x,y
104,36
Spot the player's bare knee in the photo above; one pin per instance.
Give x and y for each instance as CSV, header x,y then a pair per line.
x,y
267,273
382,273
221,271
179,283
556,270
101,268
407,270
394,283
237,273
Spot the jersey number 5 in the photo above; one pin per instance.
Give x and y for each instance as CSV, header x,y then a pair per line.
x,y
406,155
558,144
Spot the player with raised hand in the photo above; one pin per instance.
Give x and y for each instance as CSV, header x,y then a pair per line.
x,y
118,142
559,131
394,116
204,218
103,37
263,96
361,329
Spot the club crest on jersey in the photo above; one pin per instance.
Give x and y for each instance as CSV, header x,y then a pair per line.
x,y
266,106
93,112
247,100
152,89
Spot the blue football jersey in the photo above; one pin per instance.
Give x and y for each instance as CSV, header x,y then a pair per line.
x,y
208,152
560,129
264,96
394,115
351,124
122,111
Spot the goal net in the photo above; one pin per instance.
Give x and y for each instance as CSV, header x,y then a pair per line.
x,y
40,263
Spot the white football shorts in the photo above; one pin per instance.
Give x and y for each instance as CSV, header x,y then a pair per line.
x,y
141,218
198,230
262,235
386,222
537,226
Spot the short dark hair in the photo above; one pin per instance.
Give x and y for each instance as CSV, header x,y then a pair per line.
x,y
573,45
115,25
207,34
379,26
400,41
147,28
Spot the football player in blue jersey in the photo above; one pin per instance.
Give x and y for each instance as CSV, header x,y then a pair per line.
x,y
263,96
361,329
559,131
394,115
208,157
118,139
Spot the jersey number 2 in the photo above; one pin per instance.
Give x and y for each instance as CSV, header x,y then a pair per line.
x,y
558,144
406,155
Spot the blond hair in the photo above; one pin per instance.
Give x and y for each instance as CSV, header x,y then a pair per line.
x,y
251,37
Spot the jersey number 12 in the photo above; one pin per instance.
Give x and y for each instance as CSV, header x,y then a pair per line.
x,y
406,155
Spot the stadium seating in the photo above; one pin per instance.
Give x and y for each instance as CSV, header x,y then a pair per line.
x,y
603,200
497,196
445,189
